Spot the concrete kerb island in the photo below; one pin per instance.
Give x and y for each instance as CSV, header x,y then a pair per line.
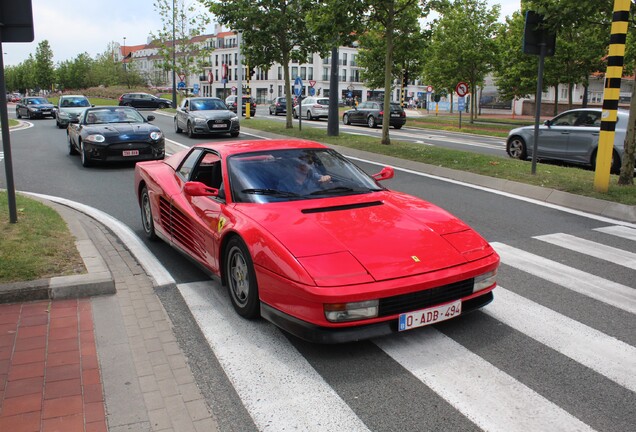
x,y
96,281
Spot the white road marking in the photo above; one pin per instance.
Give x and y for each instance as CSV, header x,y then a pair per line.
x,y
619,231
277,385
588,247
490,398
602,353
603,290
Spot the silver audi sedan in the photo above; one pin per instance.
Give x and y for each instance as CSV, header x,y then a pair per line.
x,y
205,115
572,136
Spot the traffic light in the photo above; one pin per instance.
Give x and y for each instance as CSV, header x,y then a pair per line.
x,y
437,97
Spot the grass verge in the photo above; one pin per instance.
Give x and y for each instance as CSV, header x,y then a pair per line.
x,y
38,246
574,180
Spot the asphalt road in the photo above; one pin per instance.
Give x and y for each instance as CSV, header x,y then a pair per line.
x,y
554,351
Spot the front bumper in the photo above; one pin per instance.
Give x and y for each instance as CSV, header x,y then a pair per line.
x,y
329,335
115,152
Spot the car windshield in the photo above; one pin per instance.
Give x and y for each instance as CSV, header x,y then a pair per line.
x,y
112,115
207,104
74,102
37,101
284,175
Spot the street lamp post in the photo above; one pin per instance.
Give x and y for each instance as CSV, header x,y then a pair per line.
x,y
123,53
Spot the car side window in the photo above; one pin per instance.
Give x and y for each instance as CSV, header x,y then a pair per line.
x,y
186,166
568,119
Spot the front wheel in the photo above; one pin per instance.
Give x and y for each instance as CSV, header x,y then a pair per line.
x,y
190,130
346,120
234,134
146,215
163,106
85,160
309,116
371,122
71,149
241,279
177,129
17,114
516,148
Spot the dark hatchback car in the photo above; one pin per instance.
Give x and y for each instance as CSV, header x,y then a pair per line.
x,y
114,134
230,101
278,106
143,100
34,107
372,114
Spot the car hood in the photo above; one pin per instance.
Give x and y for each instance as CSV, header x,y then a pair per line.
x,y
41,106
377,237
125,130
74,111
213,114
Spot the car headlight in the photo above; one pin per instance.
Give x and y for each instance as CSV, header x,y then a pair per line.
x,y
63,114
96,138
34,109
155,135
484,281
342,312
234,118
199,120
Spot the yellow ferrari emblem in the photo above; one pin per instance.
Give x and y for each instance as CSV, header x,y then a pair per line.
x,y
416,259
221,224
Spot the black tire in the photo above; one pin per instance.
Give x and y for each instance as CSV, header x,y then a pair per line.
x,y
398,126
85,160
71,149
294,114
346,120
309,116
241,279
146,215
58,124
234,134
371,122
190,130
177,129
516,148
271,112
163,106
17,114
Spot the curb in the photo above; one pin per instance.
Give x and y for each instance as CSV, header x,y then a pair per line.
x,y
97,281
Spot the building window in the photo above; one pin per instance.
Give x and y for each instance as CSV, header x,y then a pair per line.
x,y
216,60
294,72
310,73
303,72
343,77
280,73
325,74
344,59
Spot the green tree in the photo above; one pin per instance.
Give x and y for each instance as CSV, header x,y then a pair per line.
x,y
463,46
44,72
386,17
272,31
183,23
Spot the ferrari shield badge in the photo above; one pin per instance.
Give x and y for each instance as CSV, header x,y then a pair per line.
x,y
221,224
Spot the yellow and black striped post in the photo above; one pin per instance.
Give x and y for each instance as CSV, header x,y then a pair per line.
x,y
404,84
611,94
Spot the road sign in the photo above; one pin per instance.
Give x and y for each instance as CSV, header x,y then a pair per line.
x,y
312,91
298,86
181,85
312,83
210,77
182,77
429,89
461,89
195,88
461,103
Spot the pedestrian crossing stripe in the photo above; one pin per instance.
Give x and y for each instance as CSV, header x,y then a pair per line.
x,y
619,231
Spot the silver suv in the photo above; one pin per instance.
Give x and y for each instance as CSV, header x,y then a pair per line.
x,y
312,108
69,108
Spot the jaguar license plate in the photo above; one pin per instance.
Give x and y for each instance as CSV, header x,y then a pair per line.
x,y
429,316
130,153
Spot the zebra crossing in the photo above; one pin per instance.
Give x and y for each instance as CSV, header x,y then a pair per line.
x,y
282,389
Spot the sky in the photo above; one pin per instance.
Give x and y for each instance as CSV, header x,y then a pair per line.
x,y
73,27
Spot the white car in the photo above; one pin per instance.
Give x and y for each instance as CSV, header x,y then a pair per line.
x,y
312,108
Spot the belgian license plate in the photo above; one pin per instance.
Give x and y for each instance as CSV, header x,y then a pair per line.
x,y
219,125
130,153
429,316
395,115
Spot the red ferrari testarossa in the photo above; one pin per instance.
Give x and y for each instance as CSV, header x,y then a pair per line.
x,y
304,238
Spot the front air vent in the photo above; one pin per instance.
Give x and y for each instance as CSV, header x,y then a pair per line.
x,y
341,207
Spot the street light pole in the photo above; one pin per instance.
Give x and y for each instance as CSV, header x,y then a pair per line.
x,y
174,57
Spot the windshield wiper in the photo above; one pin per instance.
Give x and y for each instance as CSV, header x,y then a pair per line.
x,y
269,192
337,189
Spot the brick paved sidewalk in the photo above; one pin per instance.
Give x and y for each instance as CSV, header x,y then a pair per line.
x,y
49,374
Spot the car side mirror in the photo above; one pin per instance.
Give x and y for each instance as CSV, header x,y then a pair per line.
x,y
194,188
547,123
387,173
151,118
